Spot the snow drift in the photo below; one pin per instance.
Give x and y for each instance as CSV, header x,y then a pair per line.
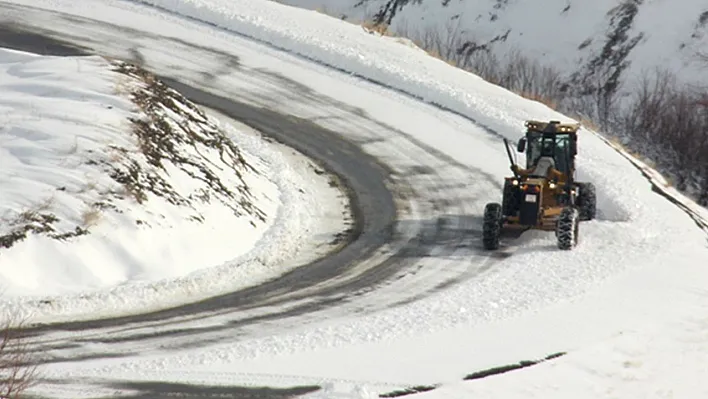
x,y
119,194
109,176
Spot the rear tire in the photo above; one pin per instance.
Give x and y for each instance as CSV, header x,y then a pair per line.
x,y
587,201
567,228
491,227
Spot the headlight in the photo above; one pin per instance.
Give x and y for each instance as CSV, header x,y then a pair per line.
x,y
552,185
514,182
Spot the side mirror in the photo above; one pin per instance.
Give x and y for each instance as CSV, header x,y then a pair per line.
x,y
521,146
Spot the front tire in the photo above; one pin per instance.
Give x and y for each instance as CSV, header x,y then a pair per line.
x,y
567,228
491,227
587,201
510,200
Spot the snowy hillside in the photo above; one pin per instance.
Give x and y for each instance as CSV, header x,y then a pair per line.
x,y
568,34
118,192
635,69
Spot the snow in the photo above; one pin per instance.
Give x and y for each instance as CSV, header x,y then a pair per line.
x,y
561,33
62,119
623,304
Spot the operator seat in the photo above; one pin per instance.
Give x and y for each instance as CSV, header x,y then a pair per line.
x,y
543,166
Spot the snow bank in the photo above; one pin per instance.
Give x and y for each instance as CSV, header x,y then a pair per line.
x,y
118,194
350,48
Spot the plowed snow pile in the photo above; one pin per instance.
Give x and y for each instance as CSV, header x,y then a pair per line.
x,y
114,186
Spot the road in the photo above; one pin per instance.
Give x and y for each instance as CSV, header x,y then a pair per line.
x,y
381,249
363,176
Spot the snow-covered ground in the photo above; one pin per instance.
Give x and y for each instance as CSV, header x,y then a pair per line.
x,y
565,34
102,216
626,305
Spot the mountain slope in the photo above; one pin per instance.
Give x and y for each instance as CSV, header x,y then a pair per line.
x,y
563,33
635,69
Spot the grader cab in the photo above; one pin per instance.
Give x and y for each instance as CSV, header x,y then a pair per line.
x,y
544,195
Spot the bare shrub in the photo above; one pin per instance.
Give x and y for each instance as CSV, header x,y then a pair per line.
x,y
486,65
668,122
90,216
373,27
648,105
17,367
441,43
531,79
515,71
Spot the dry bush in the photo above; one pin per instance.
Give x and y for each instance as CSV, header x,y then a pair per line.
x,y
37,219
132,192
524,75
486,65
439,43
588,123
90,216
17,366
668,122
547,101
531,79
515,72
380,28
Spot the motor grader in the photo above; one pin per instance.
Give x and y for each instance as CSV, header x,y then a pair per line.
x,y
544,195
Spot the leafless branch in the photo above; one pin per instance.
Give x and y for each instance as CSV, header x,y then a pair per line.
x,y
17,367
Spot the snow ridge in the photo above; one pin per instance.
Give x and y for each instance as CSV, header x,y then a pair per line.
x,y
122,196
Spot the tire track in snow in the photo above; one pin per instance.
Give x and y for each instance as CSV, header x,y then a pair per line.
x,y
433,225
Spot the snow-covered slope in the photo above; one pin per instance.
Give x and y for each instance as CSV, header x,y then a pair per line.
x,y
567,34
74,164
118,193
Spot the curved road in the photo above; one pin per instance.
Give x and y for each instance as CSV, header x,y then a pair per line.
x,y
364,177
381,248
